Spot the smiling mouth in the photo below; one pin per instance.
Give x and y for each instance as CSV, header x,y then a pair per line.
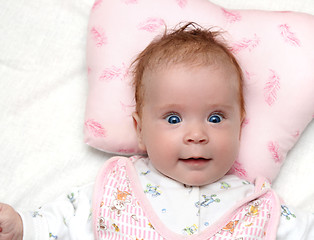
x,y
195,159
195,162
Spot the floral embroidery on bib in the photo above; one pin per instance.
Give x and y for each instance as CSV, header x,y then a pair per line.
x,y
121,217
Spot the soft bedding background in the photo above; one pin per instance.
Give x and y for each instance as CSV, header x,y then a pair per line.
x,y
43,90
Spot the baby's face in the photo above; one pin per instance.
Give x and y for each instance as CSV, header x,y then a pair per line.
x,y
190,123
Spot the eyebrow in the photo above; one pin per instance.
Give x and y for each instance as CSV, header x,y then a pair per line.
x,y
210,106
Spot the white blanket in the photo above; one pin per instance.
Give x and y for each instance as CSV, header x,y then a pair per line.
x,y
43,90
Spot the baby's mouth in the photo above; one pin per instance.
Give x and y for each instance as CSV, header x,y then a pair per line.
x,y
195,159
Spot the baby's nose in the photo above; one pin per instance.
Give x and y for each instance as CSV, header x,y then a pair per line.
x,y
196,136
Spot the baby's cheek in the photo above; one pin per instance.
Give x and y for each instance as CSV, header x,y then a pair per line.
x,y
228,147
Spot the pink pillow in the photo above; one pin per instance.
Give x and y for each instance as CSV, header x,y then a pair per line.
x,y
275,50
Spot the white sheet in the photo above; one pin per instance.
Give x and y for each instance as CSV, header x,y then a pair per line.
x,y
43,91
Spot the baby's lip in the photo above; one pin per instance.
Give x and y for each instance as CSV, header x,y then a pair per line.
x,y
195,159
195,162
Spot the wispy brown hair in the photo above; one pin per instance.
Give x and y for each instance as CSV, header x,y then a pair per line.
x,y
189,44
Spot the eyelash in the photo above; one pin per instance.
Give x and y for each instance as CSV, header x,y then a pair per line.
x,y
218,113
168,115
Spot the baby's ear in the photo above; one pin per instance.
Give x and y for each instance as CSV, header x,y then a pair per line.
x,y
138,128
242,123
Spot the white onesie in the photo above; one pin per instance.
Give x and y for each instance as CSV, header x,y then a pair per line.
x,y
133,201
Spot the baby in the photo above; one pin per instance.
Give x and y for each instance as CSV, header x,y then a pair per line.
x,y
189,111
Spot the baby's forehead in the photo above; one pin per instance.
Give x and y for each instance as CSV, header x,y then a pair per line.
x,y
152,71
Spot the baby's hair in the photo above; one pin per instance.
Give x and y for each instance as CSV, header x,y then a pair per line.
x,y
190,44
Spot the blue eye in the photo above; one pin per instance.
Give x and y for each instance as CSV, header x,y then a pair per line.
x,y
173,119
215,118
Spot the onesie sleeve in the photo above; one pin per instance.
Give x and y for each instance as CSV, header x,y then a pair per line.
x,y
295,224
68,217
